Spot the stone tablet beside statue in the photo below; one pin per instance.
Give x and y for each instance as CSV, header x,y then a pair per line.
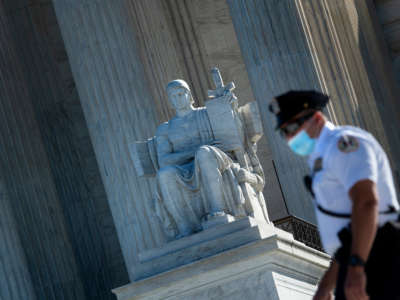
x,y
205,161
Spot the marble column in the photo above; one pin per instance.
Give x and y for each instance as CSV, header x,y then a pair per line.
x,y
388,12
353,66
119,108
47,163
323,45
25,168
274,48
15,279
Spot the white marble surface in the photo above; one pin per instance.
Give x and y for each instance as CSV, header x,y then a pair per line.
x,y
276,267
203,244
200,237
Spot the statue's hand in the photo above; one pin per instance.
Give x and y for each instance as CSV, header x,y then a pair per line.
x,y
246,176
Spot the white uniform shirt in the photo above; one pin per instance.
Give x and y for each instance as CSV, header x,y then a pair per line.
x,y
347,155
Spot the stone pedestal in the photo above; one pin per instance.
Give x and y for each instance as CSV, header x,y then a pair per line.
x,y
245,258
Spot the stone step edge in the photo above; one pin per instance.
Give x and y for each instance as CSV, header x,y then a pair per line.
x,y
198,238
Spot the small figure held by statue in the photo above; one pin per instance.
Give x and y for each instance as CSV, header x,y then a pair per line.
x,y
205,161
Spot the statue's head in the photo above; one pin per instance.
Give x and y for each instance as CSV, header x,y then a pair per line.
x,y
179,94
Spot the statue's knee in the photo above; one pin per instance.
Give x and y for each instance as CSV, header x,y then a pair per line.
x,y
204,154
166,173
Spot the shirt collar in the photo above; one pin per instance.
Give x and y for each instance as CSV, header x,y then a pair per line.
x,y
321,140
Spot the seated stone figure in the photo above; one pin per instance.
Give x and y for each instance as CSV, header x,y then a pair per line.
x,y
199,178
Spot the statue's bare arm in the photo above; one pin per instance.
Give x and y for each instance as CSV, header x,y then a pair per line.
x,y
166,156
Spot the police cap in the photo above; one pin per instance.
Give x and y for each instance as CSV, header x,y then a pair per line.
x,y
288,105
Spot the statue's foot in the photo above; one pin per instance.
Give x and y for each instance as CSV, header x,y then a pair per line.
x,y
213,215
189,230
216,218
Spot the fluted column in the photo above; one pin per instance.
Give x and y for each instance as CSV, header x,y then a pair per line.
x,y
389,16
15,279
353,66
48,166
274,48
324,45
25,168
113,86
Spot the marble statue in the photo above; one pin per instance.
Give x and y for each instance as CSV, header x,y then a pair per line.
x,y
205,161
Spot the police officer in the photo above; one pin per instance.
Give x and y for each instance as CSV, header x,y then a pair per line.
x,y
354,194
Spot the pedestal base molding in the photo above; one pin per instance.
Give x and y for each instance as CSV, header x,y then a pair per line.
x,y
265,263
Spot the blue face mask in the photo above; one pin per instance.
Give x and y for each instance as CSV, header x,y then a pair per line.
x,y
302,144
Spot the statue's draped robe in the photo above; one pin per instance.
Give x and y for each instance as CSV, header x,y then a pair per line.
x,y
180,200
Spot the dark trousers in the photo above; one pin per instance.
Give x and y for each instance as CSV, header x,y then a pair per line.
x,y
383,265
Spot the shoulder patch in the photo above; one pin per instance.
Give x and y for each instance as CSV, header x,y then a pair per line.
x,y
347,144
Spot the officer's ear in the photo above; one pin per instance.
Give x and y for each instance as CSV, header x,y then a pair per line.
x,y
315,124
318,117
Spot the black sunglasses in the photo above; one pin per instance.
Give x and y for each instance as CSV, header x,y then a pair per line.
x,y
292,127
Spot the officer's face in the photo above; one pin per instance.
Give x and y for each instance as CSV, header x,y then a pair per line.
x,y
302,122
